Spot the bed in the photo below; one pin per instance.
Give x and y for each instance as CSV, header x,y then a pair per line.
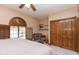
x,y
23,47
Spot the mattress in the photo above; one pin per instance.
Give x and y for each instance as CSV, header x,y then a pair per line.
x,y
23,47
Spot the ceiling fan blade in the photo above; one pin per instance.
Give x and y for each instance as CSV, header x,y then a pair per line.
x,y
22,5
32,6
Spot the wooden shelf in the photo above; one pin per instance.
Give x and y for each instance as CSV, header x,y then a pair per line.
x,y
43,29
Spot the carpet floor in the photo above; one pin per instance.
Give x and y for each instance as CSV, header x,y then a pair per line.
x,y
61,51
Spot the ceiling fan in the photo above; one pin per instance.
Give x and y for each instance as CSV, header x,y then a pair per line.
x,y
28,5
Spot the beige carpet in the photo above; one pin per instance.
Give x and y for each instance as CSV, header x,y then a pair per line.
x,y
61,51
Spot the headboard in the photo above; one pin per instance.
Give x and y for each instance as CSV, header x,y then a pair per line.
x,y
4,31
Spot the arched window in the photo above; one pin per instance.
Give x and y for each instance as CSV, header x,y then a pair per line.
x,y
17,28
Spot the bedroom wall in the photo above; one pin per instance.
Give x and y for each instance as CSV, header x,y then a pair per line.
x,y
73,11
6,14
44,32
64,14
78,10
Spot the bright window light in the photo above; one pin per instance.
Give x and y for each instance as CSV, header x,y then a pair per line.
x,y
27,5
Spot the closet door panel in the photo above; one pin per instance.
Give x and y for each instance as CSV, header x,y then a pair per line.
x,y
60,34
64,38
54,33
57,33
67,34
77,33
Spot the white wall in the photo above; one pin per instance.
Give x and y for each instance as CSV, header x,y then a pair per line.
x,y
6,14
44,32
64,14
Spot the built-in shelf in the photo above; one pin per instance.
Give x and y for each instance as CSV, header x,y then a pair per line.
x,y
43,29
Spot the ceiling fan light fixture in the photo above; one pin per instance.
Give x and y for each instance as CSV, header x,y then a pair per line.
x,y
27,5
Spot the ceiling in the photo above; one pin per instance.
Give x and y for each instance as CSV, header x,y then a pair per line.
x,y
43,10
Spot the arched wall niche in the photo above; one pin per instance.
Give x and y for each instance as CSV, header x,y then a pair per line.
x,y
17,21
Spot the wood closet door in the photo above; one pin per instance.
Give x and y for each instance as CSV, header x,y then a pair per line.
x,y
62,33
59,34
68,34
55,33
77,33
